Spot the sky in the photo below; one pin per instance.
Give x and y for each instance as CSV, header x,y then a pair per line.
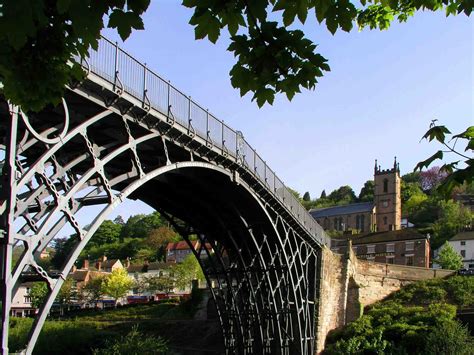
x,y
383,90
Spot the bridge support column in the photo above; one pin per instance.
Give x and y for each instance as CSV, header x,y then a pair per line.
x,y
7,196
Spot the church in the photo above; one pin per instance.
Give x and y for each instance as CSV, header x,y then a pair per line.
x,y
383,214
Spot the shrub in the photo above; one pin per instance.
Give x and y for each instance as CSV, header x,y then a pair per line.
x,y
134,343
449,338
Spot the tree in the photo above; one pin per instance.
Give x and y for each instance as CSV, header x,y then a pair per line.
x,y
432,178
306,196
165,283
456,175
367,191
62,248
323,194
38,293
119,220
117,284
140,225
187,271
66,294
343,195
158,239
453,218
271,58
451,338
93,290
108,232
448,258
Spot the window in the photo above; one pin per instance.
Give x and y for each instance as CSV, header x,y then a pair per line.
x,y
385,203
409,245
409,260
385,219
358,222
335,224
354,249
370,249
463,253
389,259
385,185
390,248
463,243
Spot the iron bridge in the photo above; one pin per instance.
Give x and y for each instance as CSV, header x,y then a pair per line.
x,y
124,132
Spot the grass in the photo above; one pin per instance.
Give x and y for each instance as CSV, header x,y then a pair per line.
x,y
81,332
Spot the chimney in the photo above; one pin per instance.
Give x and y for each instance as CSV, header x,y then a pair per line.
x,y
127,263
74,268
85,264
98,265
104,258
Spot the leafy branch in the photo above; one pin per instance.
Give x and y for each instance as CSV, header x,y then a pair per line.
x,y
456,175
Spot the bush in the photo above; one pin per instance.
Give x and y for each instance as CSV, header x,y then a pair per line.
x,y
449,338
134,343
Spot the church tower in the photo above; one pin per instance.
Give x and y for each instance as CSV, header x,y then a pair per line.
x,y
387,198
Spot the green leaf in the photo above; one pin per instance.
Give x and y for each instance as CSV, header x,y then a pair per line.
x,y
436,132
468,133
124,22
427,162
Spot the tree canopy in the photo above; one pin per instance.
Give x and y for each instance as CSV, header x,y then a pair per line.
x,y
448,258
37,56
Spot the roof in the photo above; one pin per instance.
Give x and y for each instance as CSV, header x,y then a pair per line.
x,y
381,237
80,275
109,263
469,235
344,209
182,245
147,267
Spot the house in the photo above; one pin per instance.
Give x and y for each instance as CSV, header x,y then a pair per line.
x,y
382,214
21,302
106,265
463,243
401,247
177,252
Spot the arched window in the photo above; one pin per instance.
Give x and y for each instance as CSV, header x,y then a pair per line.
x,y
357,222
335,224
385,185
385,220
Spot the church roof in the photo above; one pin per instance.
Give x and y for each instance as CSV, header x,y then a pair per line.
x,y
469,235
340,210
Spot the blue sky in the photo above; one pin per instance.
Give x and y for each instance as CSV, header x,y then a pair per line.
x,y
383,90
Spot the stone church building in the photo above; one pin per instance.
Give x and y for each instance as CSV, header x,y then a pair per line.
x,y
383,214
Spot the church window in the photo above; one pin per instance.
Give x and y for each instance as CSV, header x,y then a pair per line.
x,y
385,220
335,224
385,203
385,185
357,222
362,223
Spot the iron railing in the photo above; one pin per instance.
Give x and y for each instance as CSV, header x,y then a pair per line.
x,y
126,73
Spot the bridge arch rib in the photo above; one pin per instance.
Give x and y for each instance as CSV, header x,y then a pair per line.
x,y
114,147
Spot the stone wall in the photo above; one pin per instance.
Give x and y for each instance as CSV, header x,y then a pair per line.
x,y
349,284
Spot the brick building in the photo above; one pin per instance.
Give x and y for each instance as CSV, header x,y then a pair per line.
x,y
401,247
383,214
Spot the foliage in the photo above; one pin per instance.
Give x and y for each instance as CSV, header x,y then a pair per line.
x,y
68,337
367,192
271,57
306,196
62,248
343,195
431,178
450,338
108,232
38,293
134,343
93,290
187,271
158,239
323,194
140,225
66,293
448,258
408,321
117,284
164,283
453,218
35,63
456,175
